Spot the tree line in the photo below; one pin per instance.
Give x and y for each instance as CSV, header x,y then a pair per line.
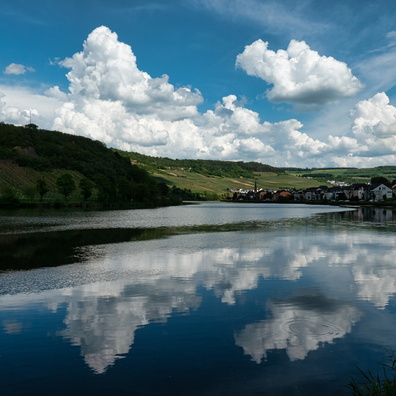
x,y
87,169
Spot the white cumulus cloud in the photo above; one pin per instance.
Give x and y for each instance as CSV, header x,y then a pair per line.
x,y
110,99
298,74
106,70
19,105
15,68
374,125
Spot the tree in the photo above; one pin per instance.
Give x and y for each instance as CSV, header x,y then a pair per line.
x,y
8,196
106,189
66,185
30,192
163,189
379,180
86,187
125,188
42,188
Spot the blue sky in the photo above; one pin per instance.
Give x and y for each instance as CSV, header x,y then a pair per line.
x,y
307,83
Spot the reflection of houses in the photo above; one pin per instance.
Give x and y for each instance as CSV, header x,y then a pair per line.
x,y
353,192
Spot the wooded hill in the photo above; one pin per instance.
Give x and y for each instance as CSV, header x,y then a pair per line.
x,y
29,154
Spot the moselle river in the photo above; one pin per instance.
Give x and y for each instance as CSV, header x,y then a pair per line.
x,y
208,299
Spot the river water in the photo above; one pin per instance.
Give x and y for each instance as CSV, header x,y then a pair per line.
x,y
208,299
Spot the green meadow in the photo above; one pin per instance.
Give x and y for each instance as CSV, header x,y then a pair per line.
x,y
221,186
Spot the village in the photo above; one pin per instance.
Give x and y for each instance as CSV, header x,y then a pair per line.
x,y
338,192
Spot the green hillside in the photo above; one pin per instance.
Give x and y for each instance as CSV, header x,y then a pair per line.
x,y
221,186
204,167
214,179
28,154
348,175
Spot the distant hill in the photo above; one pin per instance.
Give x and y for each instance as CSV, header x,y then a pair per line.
x,y
348,175
203,167
213,179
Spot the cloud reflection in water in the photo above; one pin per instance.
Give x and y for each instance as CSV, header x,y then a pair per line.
x,y
122,287
298,325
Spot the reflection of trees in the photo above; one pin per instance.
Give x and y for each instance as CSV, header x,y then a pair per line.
x,y
36,250
298,325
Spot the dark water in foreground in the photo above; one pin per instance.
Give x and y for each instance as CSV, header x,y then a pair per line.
x,y
210,299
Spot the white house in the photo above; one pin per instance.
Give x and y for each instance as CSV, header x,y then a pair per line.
x,y
379,192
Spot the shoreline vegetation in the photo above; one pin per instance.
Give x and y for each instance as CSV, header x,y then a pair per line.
x,y
374,384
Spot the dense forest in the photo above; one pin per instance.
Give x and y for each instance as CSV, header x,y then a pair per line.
x,y
82,167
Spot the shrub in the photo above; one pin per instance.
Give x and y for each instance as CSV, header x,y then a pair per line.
x,y
374,384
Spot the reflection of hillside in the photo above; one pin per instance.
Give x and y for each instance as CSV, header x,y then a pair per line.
x,y
298,325
36,250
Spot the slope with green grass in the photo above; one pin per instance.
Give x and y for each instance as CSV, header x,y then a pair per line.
x,y
212,179
348,175
28,154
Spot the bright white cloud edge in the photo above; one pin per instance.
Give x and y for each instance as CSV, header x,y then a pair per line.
x,y
299,74
111,100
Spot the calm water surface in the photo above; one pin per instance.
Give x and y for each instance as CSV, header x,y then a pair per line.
x,y
209,299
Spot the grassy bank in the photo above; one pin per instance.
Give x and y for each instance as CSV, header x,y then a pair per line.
x,y
221,186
